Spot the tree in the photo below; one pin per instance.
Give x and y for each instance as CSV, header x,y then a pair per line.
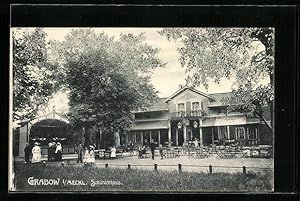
x,y
245,54
107,79
34,78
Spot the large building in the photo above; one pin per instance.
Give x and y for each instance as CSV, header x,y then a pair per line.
x,y
190,114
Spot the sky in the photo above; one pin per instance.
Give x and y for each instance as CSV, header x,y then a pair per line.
x,y
165,80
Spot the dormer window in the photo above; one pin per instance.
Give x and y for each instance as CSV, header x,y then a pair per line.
x,y
195,106
180,107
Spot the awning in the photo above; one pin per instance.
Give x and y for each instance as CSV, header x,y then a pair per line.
x,y
150,125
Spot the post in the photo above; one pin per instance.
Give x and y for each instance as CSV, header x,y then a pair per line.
x,y
244,170
159,137
210,168
128,166
212,135
179,168
150,136
155,167
228,133
106,165
200,133
169,134
184,133
142,140
176,136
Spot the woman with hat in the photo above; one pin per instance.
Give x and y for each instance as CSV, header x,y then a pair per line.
x,y
58,152
92,154
36,153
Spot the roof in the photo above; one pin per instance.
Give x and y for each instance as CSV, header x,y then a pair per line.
x,y
159,105
190,88
218,98
50,115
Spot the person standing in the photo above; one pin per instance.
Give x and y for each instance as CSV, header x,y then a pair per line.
x,y
36,153
92,155
58,152
50,151
113,151
161,151
80,152
27,151
86,157
152,148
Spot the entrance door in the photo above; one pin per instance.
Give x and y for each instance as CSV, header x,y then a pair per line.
x,y
207,136
180,137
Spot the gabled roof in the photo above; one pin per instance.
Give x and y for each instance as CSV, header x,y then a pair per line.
x,y
190,88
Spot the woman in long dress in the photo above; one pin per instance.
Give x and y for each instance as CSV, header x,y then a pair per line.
x,y
92,155
36,154
113,151
86,156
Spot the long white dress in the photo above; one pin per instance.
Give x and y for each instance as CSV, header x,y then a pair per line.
x,y
92,157
86,157
36,154
113,152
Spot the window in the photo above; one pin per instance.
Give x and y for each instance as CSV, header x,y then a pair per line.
x,y
195,106
252,133
240,133
180,107
137,137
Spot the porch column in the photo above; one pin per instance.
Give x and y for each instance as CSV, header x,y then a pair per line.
x,y
159,137
228,133
212,135
184,133
150,135
176,137
200,132
142,140
169,133
257,135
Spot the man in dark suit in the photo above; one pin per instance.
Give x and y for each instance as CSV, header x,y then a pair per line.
x,y
152,148
80,152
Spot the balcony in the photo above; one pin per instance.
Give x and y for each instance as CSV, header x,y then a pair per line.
x,y
187,114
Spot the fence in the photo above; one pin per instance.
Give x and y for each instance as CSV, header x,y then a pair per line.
x,y
179,167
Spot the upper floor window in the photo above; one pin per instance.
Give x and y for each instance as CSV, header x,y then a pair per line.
x,y
195,106
180,107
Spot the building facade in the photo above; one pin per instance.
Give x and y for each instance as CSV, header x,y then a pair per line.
x,y
190,114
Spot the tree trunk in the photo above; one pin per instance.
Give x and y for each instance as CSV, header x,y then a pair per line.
x,y
265,122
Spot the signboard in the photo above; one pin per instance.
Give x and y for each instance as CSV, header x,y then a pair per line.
x,y
224,121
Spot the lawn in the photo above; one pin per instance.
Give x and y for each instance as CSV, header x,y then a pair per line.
x,y
39,177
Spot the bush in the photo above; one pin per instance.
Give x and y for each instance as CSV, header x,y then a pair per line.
x,y
115,179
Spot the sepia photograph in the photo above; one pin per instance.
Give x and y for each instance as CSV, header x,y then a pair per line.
x,y
142,109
